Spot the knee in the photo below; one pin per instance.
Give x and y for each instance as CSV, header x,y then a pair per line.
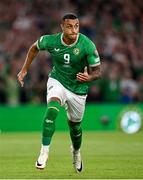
x,y
52,110
74,126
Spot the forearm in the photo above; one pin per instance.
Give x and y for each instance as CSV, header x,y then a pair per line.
x,y
32,53
92,74
95,74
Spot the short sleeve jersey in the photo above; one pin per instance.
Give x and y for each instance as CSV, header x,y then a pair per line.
x,y
68,60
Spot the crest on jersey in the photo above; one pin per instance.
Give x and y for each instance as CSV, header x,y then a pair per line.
x,y
76,51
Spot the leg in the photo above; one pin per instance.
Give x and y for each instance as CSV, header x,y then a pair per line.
x,y
75,111
53,108
76,138
55,98
75,134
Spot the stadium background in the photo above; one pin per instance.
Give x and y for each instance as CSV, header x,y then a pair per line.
x,y
118,36
116,27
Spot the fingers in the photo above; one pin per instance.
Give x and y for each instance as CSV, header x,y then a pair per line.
x,y
21,83
21,76
82,77
85,70
20,79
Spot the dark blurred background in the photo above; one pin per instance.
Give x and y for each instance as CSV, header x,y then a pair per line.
x,y
116,27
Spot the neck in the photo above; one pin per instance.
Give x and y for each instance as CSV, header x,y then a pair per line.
x,y
68,41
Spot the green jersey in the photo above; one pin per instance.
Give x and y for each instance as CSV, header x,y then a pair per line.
x,y
68,60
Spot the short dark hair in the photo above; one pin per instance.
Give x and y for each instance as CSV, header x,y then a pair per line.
x,y
69,16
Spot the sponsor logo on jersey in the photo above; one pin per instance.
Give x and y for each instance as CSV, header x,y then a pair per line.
x,y
76,51
56,49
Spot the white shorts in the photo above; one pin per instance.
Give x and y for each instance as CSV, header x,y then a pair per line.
x,y
74,104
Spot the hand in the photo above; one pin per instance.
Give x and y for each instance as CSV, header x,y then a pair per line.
x,y
83,77
21,76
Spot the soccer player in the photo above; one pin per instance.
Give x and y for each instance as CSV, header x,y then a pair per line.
x,y
76,63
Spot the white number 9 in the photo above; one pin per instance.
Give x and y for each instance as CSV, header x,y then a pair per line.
x,y
67,58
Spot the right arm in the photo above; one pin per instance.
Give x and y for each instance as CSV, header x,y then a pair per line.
x,y
32,53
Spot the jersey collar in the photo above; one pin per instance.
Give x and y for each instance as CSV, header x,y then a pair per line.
x,y
70,45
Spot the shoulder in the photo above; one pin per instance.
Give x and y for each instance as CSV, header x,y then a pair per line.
x,y
88,44
86,40
48,37
46,41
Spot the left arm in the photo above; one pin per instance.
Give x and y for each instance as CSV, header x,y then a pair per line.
x,y
94,74
93,60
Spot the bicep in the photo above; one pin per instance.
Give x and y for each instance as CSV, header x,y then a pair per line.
x,y
42,43
93,58
34,48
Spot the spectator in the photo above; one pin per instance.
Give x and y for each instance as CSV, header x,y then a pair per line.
x,y
116,27
129,88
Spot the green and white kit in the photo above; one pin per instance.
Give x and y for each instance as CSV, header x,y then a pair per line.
x,y
68,60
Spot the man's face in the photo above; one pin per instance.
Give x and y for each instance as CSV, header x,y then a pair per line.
x,y
70,28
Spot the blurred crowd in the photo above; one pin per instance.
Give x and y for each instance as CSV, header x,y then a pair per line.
x,y
116,27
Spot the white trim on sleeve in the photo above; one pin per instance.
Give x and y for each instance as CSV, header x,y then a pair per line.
x,y
36,43
94,65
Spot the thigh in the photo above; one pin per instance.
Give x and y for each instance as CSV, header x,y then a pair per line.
x,y
55,89
75,107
